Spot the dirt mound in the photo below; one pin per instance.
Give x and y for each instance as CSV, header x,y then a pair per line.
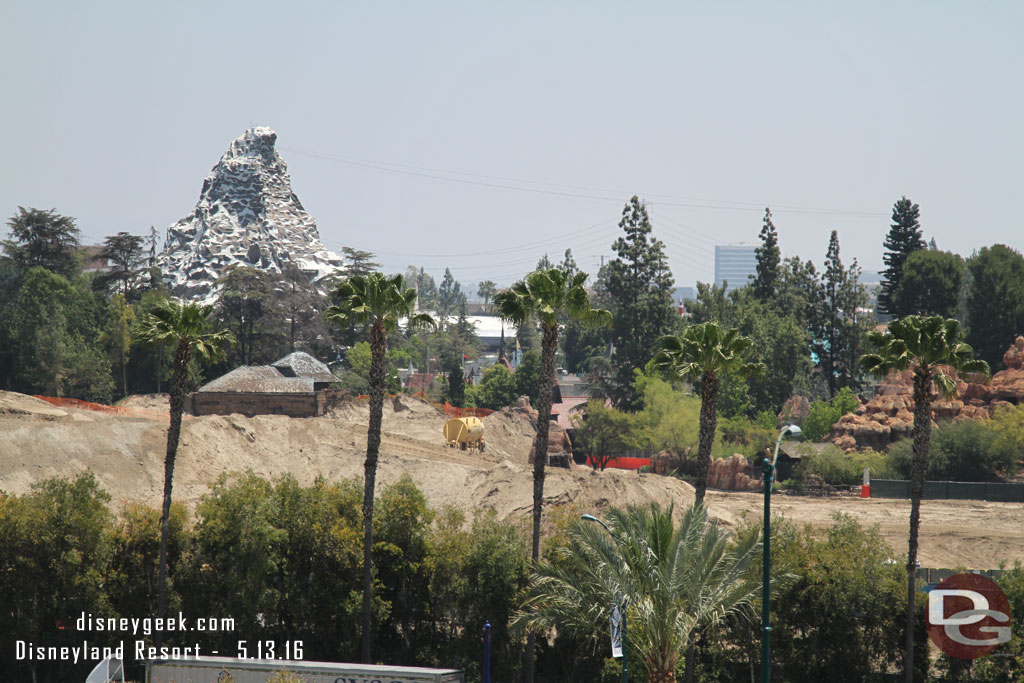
x,y
509,435
12,403
126,454
147,402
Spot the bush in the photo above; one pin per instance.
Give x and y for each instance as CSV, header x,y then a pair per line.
x,y
838,468
961,451
747,437
824,414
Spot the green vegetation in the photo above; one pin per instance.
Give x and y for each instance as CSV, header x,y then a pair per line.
x,y
964,451
824,414
284,560
832,466
670,579
705,354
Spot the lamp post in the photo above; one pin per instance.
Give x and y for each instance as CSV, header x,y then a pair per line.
x,y
618,596
766,577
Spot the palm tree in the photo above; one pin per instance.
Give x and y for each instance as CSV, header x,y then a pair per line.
x,y
486,290
378,302
702,354
670,579
929,347
186,328
547,295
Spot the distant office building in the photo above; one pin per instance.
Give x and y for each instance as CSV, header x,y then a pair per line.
x,y
735,264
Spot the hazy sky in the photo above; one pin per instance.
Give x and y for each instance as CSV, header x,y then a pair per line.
x,y
480,135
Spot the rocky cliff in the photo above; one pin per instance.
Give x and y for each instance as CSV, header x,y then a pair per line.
x,y
890,414
247,215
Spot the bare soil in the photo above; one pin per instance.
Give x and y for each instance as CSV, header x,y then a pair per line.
x,y
125,451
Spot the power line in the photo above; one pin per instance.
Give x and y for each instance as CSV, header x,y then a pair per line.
x,y
581,193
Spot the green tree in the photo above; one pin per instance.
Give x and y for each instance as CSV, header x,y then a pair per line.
x,y
995,301
824,414
55,558
125,261
358,262
931,283
497,388
449,295
117,335
904,238
456,393
242,306
379,303
602,433
546,296
640,286
477,574
671,579
840,619
703,354
926,347
52,330
135,556
568,263
486,291
528,377
836,323
299,307
961,451
359,361
426,290
780,345
768,258
43,238
185,328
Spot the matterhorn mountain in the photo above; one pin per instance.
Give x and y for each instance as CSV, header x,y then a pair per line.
x,y
247,215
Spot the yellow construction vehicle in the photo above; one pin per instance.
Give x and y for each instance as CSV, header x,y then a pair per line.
x,y
464,433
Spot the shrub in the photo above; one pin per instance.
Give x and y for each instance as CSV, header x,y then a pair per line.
x,y
838,468
961,451
747,437
824,414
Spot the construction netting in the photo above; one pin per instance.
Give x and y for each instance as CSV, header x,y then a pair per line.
x,y
82,405
455,411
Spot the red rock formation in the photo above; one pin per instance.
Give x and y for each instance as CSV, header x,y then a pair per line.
x,y
889,415
731,474
795,409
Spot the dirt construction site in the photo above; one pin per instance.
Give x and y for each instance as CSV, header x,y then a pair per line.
x,y
125,448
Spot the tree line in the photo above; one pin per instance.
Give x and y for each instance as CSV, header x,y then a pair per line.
x,y
283,560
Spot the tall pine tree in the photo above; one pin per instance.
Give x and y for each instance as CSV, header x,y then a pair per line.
x,y
640,288
768,259
837,322
904,238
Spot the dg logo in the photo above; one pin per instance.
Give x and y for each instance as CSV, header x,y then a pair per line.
x,y
968,616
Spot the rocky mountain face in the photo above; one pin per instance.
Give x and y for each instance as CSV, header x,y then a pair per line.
x,y
247,215
890,414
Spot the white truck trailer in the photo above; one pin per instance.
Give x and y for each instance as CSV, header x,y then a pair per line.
x,y
231,670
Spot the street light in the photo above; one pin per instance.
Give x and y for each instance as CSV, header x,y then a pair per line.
x,y
622,606
766,579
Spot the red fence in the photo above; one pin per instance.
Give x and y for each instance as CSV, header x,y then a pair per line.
x,y
624,463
